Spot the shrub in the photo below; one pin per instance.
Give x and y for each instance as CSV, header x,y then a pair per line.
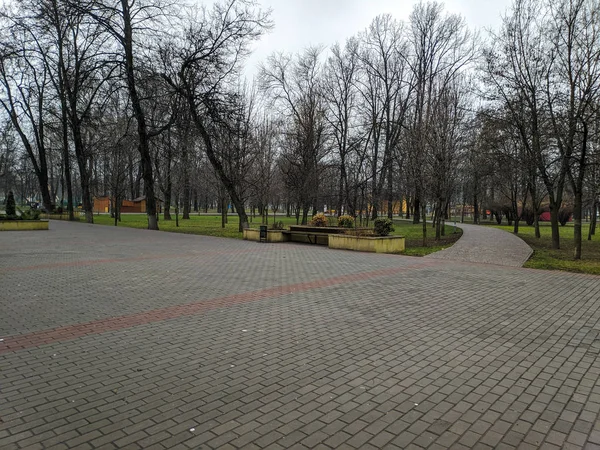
x,y
383,226
277,225
359,232
11,209
529,216
31,214
346,221
564,215
319,220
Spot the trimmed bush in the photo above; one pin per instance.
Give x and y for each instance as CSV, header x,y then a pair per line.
x,y
529,216
346,221
319,220
32,214
564,215
383,226
277,225
11,208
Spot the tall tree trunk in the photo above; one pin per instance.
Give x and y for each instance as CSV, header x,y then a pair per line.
x,y
186,201
84,171
390,200
66,157
554,227
578,193
46,197
223,211
116,207
577,226
305,210
438,220
64,112
167,206
168,191
416,210
592,229
424,219
341,187
131,178
136,105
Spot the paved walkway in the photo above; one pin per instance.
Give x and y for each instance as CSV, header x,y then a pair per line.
x,y
122,338
487,245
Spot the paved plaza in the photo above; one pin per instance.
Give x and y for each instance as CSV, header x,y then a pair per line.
x,y
123,338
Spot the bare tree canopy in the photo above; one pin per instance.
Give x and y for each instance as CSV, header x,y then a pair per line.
x,y
125,100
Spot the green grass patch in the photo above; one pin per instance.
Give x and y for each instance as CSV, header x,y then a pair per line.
x,y
210,225
545,257
205,225
414,238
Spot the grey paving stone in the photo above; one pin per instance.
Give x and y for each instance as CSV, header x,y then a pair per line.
x,y
482,244
287,346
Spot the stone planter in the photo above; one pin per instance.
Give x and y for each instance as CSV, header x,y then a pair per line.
x,y
385,244
253,234
23,225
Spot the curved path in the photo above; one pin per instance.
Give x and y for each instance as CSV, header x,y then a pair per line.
x,y
481,244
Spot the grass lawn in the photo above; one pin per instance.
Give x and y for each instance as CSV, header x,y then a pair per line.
x,y
544,257
210,225
414,238
203,225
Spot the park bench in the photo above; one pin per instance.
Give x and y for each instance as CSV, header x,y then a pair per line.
x,y
312,235
308,237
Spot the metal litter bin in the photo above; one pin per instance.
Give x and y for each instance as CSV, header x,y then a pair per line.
x,y
263,233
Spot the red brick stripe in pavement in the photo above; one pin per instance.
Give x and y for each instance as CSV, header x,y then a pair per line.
x,y
70,332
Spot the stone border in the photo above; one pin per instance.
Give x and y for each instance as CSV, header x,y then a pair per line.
x,y
23,225
380,244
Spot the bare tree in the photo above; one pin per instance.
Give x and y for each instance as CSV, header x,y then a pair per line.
x,y
295,85
385,85
341,94
517,66
134,25
203,66
24,84
573,89
442,48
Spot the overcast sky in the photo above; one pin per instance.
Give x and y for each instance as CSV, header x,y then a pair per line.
x,y
300,23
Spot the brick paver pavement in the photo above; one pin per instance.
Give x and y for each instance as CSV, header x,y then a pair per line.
x,y
487,245
121,338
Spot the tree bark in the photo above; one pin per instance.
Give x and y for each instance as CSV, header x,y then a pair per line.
x,y
186,200
66,155
577,226
416,210
136,105
592,229
424,219
216,164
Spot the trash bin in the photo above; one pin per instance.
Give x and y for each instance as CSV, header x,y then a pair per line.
x,y
263,233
